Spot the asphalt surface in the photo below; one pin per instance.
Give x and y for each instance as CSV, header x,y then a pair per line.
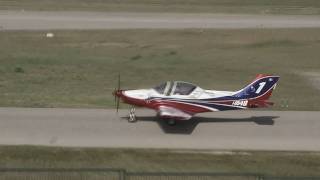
x,y
232,130
33,20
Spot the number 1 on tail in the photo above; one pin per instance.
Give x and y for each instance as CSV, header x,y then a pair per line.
x,y
261,85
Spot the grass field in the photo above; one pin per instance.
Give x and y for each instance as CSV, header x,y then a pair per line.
x,y
209,6
79,68
133,160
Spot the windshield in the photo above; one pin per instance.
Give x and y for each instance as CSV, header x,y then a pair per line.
x,y
183,88
160,88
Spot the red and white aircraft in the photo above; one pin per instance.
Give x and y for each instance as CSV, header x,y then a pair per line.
x,y
178,100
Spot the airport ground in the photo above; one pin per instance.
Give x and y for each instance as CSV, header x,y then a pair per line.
x,y
78,69
270,163
296,7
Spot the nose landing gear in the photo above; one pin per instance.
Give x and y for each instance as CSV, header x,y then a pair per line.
x,y
132,116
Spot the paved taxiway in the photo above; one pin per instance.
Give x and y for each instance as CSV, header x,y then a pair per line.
x,y
250,130
33,20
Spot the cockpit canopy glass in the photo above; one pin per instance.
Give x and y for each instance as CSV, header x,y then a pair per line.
x,y
183,88
160,88
175,88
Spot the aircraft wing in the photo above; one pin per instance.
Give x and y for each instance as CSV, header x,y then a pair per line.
x,y
171,112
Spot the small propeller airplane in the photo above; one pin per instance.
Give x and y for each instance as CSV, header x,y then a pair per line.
x,y
178,100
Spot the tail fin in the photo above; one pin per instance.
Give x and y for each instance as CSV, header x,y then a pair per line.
x,y
258,91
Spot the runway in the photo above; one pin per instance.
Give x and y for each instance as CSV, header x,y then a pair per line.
x,y
232,130
44,20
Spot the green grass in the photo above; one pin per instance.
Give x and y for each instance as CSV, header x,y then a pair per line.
x,y
135,160
209,6
80,68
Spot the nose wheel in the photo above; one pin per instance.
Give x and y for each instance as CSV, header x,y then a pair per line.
x,y
132,116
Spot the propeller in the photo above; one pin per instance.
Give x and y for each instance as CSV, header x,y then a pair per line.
x,y
115,93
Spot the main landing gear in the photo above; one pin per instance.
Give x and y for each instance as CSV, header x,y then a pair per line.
x,y
132,116
171,122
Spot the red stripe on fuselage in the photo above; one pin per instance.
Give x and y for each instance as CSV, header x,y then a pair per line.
x,y
155,104
185,107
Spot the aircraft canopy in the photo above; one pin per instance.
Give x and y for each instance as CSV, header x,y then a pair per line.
x,y
175,88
